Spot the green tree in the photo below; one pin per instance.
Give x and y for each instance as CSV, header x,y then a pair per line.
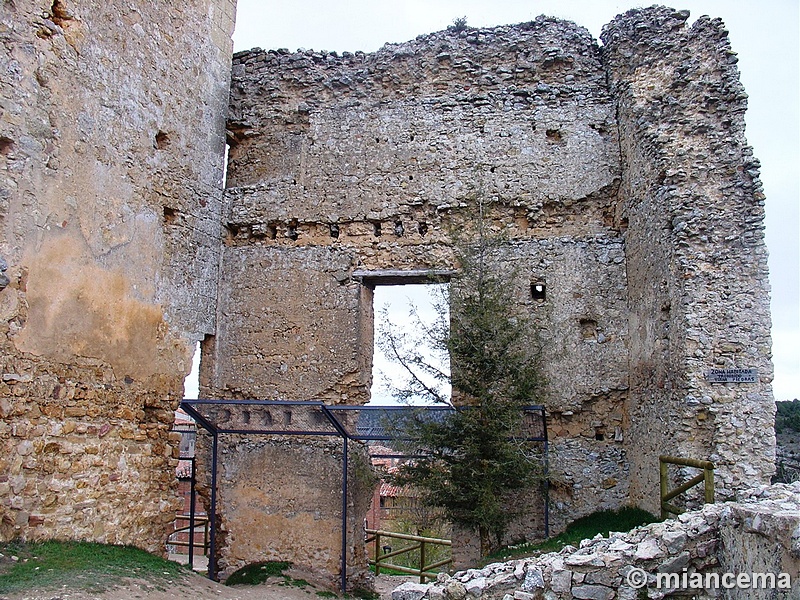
x,y
471,463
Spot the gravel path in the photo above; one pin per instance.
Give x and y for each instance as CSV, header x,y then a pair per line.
x,y
195,587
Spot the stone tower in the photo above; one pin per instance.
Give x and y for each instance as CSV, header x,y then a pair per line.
x,y
111,158
620,175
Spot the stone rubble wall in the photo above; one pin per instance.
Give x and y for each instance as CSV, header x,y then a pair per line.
x,y
379,161
292,513
620,177
759,533
698,285
111,161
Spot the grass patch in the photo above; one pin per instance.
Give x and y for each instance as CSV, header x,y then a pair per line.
x,y
587,527
363,594
300,583
387,571
80,565
258,573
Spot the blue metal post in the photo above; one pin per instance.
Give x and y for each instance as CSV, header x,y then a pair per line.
x,y
212,518
344,517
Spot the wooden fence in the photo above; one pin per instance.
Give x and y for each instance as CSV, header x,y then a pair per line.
x,y
425,571
706,478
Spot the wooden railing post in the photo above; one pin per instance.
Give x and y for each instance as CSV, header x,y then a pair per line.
x,y
381,560
706,477
377,554
709,472
422,562
205,538
662,465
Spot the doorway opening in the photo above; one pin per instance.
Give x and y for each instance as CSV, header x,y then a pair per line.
x,y
410,363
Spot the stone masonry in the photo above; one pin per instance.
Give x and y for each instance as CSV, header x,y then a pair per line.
x,y
111,154
757,537
619,175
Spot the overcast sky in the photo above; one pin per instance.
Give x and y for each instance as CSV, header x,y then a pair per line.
x,y
764,34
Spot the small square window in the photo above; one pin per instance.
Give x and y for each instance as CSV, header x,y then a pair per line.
x,y
538,290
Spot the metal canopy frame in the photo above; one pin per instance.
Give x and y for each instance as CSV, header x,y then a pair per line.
x,y
315,418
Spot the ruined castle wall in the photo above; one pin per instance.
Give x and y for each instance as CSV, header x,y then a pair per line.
x,y
111,147
373,162
697,263
754,539
296,514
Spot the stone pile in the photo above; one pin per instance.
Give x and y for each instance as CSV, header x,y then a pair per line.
x,y
711,540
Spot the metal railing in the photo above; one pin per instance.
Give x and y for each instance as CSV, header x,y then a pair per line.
x,y
425,571
706,478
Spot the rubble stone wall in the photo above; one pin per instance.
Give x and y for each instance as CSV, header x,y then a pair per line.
x,y
757,536
111,161
293,514
698,289
620,177
374,162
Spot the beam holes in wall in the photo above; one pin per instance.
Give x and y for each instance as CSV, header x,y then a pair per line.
x,y
538,290
334,230
170,215
376,228
553,135
161,140
6,145
588,329
59,13
410,311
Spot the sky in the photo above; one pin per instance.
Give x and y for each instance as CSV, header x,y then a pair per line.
x,y
399,301
764,34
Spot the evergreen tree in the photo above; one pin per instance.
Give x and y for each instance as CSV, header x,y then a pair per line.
x,y
471,463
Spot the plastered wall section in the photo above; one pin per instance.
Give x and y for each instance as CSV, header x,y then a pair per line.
x,y
293,510
353,162
696,260
111,147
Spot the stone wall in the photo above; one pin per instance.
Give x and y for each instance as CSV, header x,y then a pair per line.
x,y
698,290
290,513
371,162
620,177
111,160
684,557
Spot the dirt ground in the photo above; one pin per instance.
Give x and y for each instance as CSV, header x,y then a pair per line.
x,y
196,587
